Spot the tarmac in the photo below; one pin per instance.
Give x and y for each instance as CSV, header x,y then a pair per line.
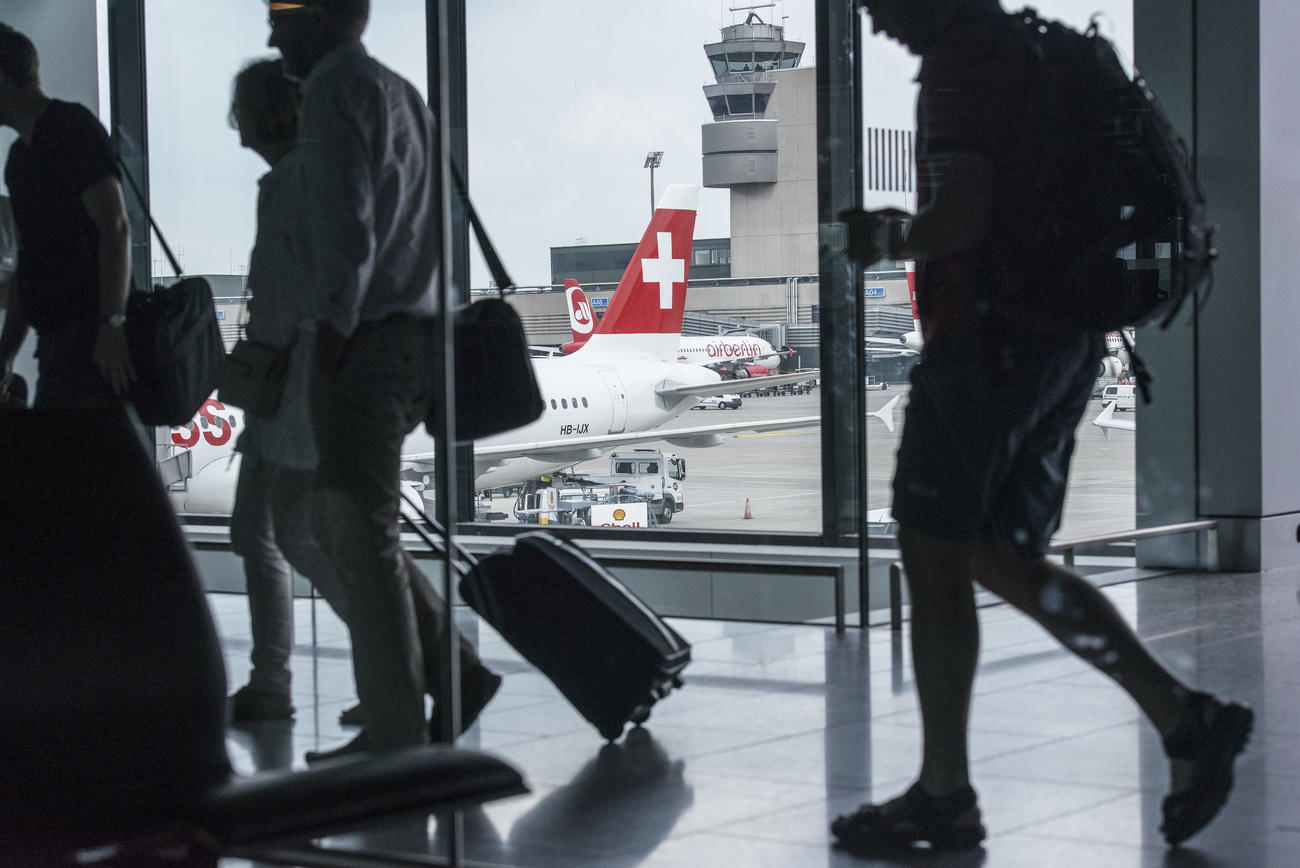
x,y
780,473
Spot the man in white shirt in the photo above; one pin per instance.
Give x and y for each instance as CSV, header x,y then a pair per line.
x,y
370,243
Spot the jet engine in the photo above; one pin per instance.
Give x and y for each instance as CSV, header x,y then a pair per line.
x,y
1111,367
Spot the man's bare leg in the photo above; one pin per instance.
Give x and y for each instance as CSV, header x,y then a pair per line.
x,y
1084,621
945,651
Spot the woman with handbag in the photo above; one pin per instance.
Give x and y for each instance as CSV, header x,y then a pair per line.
x,y
267,375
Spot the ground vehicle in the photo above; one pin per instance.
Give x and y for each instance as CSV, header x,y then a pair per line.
x,y
718,402
873,386
655,478
1125,397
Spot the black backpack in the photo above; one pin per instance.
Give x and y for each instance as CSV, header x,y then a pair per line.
x,y
1114,173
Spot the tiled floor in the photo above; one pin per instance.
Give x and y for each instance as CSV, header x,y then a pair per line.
x,y
780,728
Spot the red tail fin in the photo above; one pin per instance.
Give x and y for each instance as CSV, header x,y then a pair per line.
x,y
911,290
651,297
581,317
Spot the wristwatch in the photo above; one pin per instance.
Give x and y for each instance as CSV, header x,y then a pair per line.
x,y
116,320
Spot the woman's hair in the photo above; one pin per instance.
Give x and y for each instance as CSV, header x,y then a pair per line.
x,y
265,102
18,58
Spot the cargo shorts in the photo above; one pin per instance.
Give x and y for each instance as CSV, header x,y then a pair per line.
x,y
989,431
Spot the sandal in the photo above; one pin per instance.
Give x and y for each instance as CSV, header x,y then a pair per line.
x,y
948,823
1211,746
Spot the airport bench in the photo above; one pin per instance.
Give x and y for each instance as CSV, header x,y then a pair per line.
x,y
767,568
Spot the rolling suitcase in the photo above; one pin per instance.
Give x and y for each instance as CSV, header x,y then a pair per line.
x,y
606,651
610,656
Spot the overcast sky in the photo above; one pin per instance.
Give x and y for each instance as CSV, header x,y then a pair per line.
x,y
565,99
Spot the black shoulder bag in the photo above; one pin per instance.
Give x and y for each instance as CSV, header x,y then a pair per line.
x,y
496,390
174,341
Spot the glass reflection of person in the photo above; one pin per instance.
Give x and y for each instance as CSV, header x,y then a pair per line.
x,y
370,242
985,453
270,527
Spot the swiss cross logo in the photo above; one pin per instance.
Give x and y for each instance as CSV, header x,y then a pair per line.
x,y
664,271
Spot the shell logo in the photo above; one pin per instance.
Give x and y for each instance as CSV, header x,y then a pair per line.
x,y
620,514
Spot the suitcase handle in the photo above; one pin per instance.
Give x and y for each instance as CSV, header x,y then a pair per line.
x,y
468,568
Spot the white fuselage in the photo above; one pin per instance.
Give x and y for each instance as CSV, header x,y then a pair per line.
x,y
586,394
728,351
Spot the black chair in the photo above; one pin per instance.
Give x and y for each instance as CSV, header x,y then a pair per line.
x,y
112,686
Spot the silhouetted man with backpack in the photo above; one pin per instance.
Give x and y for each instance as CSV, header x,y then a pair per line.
x,y
1002,384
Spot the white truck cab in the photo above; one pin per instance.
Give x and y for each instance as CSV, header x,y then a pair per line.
x,y
1125,397
659,474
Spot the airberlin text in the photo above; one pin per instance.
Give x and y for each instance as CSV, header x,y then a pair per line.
x,y
742,349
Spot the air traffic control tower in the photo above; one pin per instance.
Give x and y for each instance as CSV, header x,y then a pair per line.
x,y
762,146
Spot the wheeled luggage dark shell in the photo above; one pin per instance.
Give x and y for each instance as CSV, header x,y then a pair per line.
x,y
607,652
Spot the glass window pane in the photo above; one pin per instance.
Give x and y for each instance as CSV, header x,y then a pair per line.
x,y
741,103
740,62
533,131
1100,496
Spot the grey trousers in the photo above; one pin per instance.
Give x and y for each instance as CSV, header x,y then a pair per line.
x,y
364,402
271,531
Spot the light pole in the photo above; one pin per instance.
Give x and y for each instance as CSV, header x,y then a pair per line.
x,y
653,160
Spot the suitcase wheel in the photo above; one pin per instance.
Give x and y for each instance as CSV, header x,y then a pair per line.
x,y
640,714
611,732
678,682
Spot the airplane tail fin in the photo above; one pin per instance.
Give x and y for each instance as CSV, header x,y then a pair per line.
x,y
911,291
886,413
646,310
582,320
1107,413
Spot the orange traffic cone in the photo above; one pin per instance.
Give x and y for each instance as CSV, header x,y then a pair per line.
x,y
748,512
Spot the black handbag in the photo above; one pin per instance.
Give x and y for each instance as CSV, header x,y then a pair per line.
x,y
496,389
174,341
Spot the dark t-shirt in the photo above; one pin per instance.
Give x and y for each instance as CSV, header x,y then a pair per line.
x,y
980,92
58,245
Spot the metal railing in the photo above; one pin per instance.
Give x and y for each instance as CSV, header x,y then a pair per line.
x,y
1207,543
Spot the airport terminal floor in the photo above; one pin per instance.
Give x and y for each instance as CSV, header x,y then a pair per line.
x,y
781,728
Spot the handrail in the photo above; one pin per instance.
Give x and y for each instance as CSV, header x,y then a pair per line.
x,y
1125,536
1207,527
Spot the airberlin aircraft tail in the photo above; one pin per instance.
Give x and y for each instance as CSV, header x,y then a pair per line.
x,y
581,317
645,312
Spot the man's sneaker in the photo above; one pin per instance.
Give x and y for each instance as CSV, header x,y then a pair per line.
x,y
359,744
948,823
248,705
352,716
1209,738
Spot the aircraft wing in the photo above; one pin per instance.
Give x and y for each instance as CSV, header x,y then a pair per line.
x,y
726,387
586,448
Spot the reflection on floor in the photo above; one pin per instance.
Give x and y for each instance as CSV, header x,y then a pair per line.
x,y
781,728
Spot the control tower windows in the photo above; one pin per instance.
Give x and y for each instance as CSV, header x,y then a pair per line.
x,y
719,65
760,102
741,103
718,105
767,60
740,62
